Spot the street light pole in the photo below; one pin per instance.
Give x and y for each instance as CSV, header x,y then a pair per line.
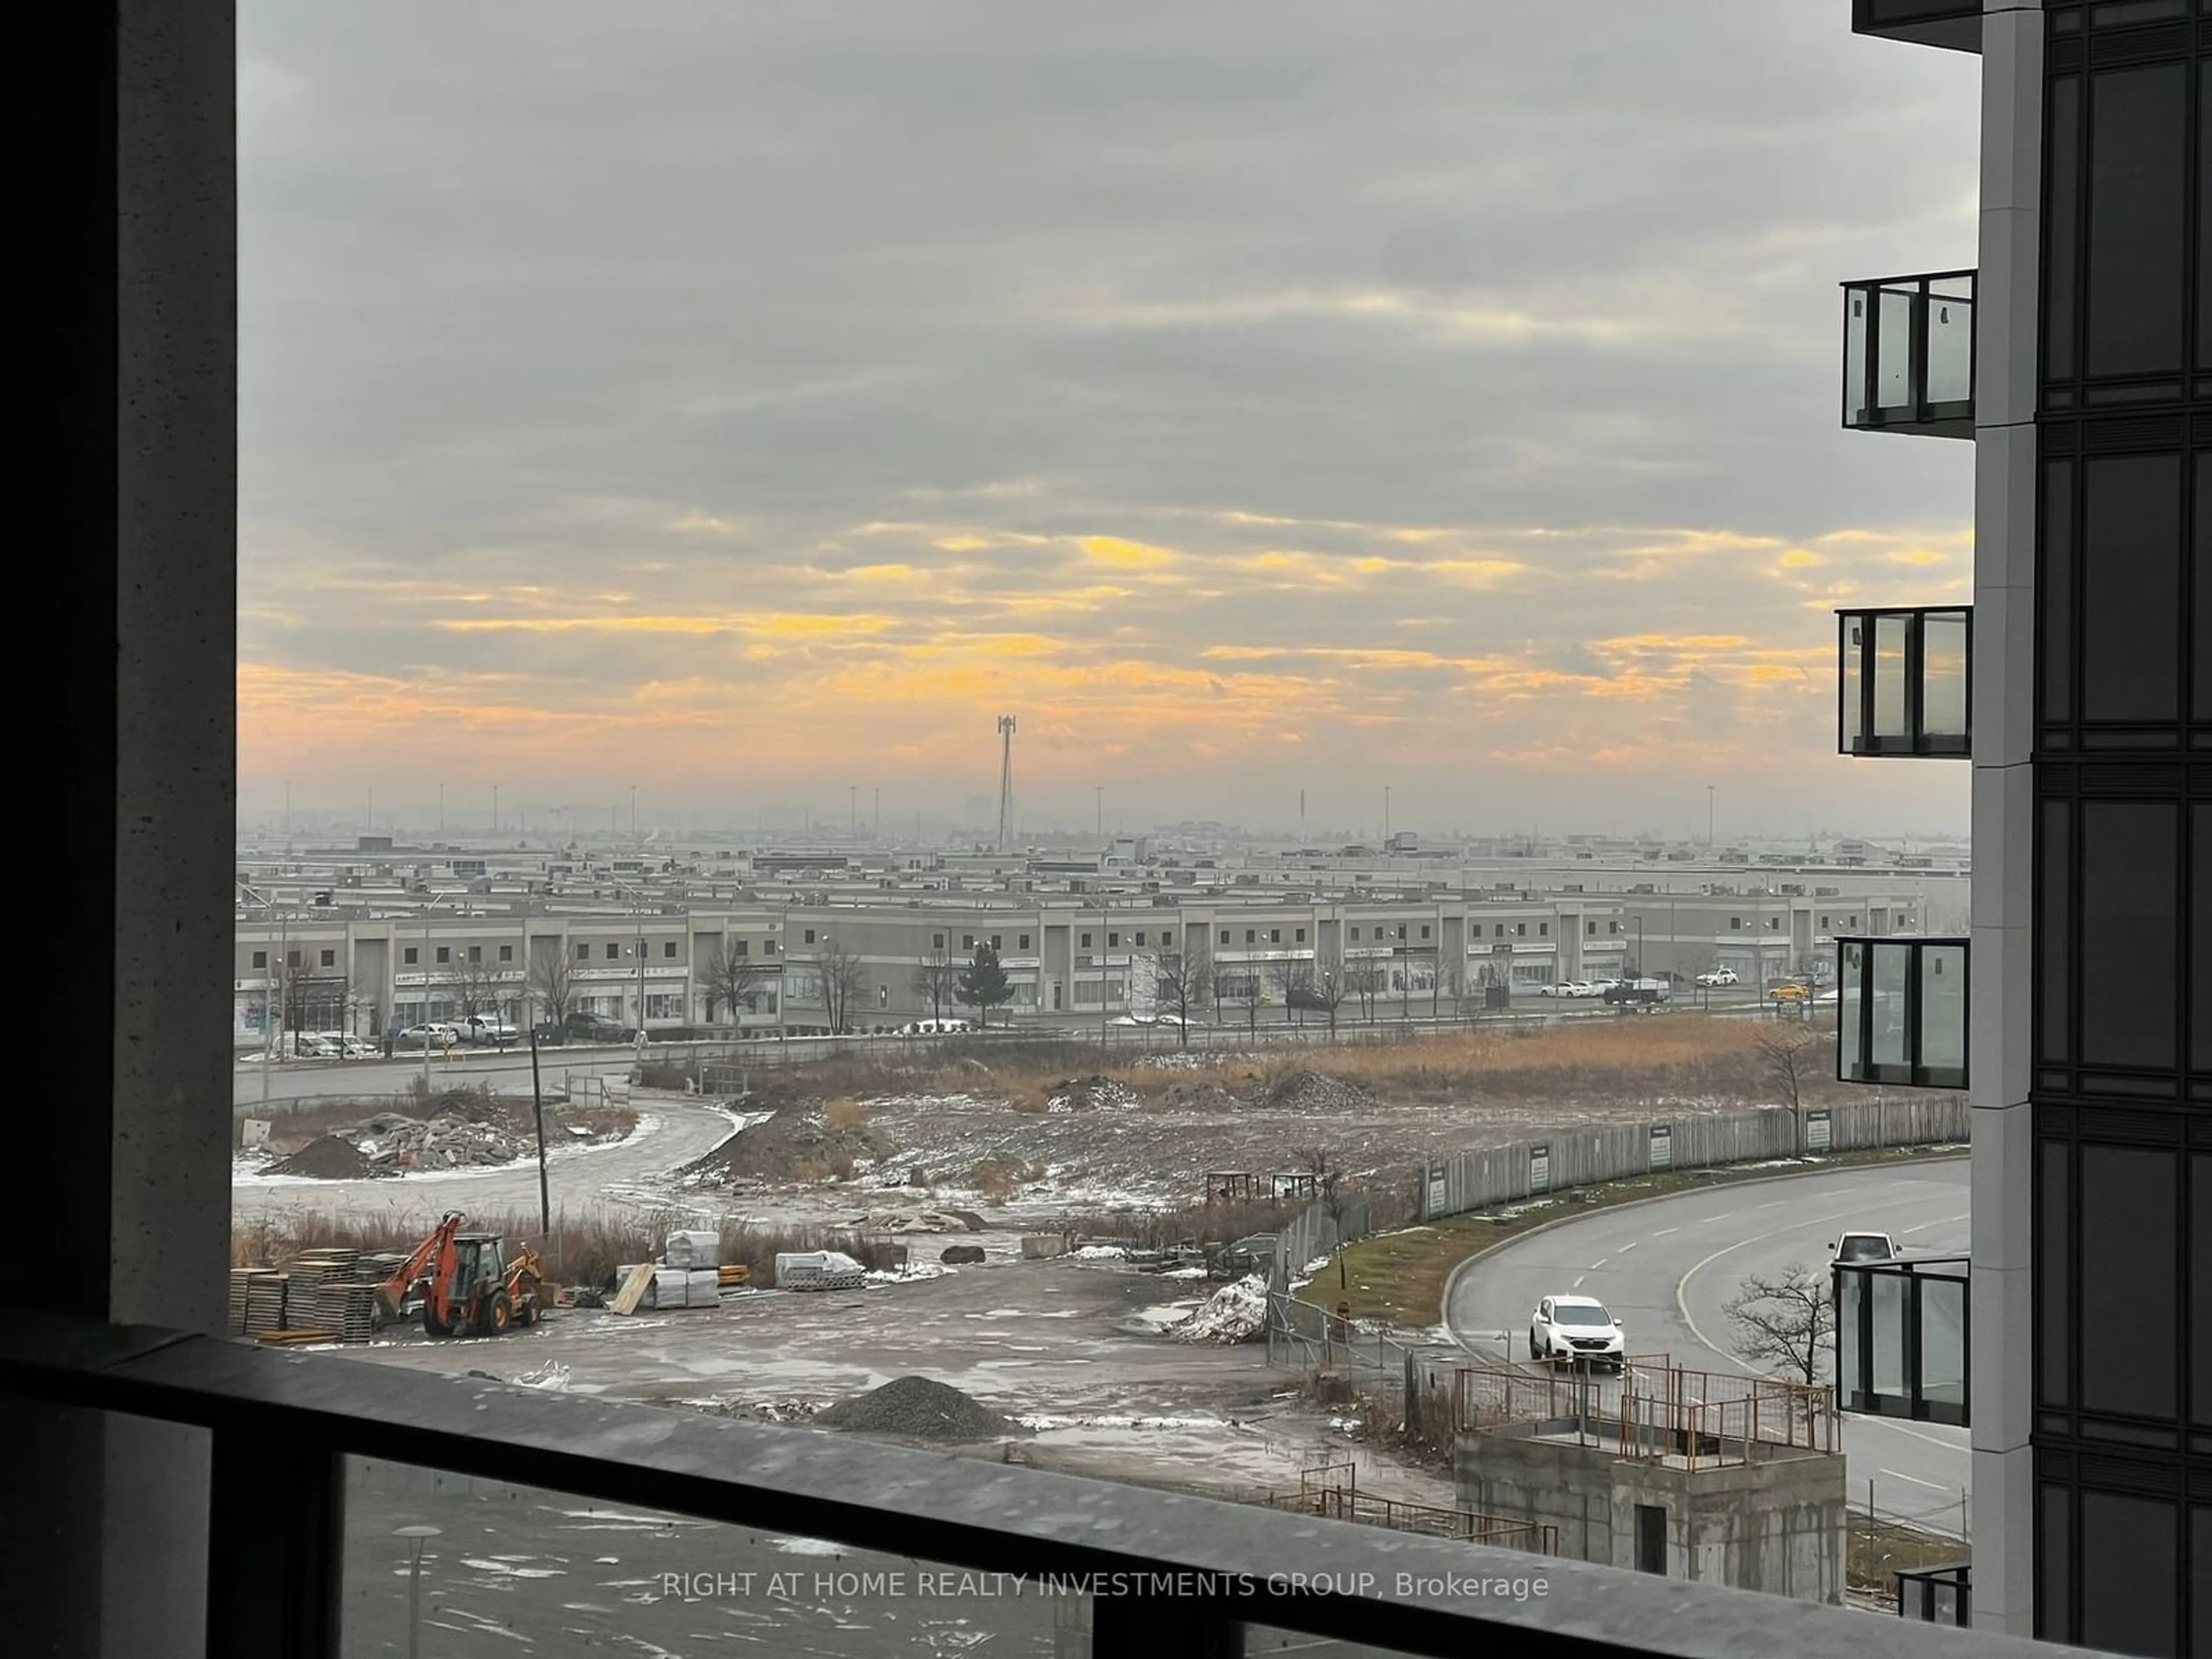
x,y
416,1537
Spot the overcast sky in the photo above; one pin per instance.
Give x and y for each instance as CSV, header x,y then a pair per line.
x,y
747,401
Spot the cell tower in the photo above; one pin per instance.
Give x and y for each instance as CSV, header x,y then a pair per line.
x,y
1006,780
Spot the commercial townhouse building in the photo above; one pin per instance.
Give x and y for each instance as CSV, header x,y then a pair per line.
x,y
1068,957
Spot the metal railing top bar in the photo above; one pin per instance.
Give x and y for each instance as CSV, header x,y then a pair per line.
x,y
1912,281
304,1412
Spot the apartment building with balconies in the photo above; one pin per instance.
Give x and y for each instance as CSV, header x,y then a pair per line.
x,y
2078,358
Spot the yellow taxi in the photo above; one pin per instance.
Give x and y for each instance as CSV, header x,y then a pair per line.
x,y
1788,994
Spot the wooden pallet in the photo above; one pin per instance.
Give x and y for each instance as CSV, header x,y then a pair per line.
x,y
634,1289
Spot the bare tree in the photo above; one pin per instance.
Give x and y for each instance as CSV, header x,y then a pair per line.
x,y
733,981
1186,983
1788,1321
935,978
1791,1061
550,979
1325,990
844,976
477,985
1366,981
1331,1191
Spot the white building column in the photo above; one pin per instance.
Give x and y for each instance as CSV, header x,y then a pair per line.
x,y
2005,491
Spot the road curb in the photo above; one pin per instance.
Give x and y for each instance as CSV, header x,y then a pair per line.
x,y
1452,1280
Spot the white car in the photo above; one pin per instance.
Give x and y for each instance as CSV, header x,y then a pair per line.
x,y
1864,1247
486,1028
1718,976
1571,988
437,1034
1576,1328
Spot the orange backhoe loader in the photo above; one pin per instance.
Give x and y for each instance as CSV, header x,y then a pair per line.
x,y
470,1285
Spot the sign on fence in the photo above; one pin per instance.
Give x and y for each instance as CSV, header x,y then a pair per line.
x,y
1438,1194
1820,1132
1663,1145
1540,1168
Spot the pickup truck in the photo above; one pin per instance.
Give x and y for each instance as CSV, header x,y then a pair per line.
x,y
1637,993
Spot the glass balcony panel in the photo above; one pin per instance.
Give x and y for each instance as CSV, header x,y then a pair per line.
x,y
1950,374
437,1564
1851,1379
1943,1011
1892,1043
1851,1011
1943,675
1943,1342
1890,720
1858,304
1893,377
1853,727
1891,1314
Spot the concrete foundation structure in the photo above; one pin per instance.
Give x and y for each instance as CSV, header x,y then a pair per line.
x,y
1774,1523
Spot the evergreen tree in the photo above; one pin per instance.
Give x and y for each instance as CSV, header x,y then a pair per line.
x,y
983,984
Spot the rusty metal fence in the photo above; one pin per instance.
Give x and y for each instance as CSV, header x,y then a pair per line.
x,y
1333,1493
1654,1409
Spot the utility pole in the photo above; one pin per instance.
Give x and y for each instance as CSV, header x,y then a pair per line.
x,y
1386,818
1708,815
1098,807
441,808
494,809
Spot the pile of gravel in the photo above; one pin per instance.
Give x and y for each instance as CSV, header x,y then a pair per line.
x,y
331,1157
916,1409
1316,1092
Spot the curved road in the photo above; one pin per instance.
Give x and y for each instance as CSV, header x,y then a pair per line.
x,y
669,1134
1666,1266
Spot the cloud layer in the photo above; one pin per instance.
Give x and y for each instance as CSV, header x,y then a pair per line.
x,y
748,402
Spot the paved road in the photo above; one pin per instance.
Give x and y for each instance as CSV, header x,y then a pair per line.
x,y
669,1134
1665,1268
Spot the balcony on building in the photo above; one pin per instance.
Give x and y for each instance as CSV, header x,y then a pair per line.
x,y
1901,1338
1901,1005
1909,354
1903,682
1955,25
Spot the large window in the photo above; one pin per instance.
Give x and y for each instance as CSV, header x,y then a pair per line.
x,y
2135,244
1902,1004
2130,962
2128,587
2126,1260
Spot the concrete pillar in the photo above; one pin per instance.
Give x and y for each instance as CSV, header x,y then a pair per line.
x,y
2003,810
133,205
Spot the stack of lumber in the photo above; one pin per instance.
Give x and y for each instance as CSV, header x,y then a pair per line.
x,y
264,1303
734,1272
328,1295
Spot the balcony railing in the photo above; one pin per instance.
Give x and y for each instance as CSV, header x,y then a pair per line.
x,y
1901,1338
310,1460
1956,24
1902,1012
1909,354
1904,683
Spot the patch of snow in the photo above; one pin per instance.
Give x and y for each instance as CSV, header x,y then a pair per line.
x,y
1119,1420
1101,1253
552,1376
912,1271
1235,1313
1184,1273
806,1546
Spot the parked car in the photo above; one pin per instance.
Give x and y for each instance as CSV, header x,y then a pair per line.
x,y
437,1033
1864,1247
586,1028
1718,976
486,1028
1788,993
1576,1328
936,1027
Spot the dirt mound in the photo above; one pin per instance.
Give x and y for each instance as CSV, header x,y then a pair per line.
x,y
798,1143
1083,1094
332,1158
918,1409
1199,1095
1317,1092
